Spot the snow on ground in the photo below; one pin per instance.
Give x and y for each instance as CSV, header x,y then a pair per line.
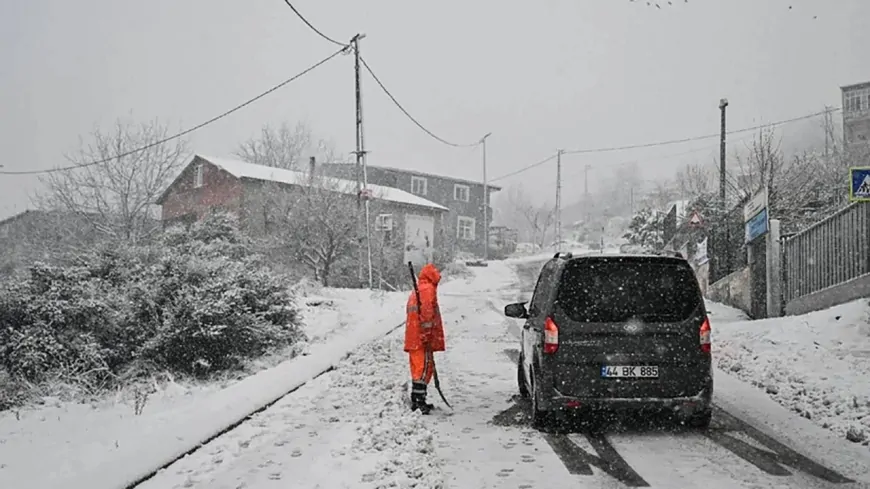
x,y
349,428
106,440
816,365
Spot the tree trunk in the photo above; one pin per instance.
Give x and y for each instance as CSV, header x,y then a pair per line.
x,y
324,274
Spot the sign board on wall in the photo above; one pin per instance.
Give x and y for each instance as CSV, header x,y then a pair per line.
x,y
859,189
755,217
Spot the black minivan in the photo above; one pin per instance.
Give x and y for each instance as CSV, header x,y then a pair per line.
x,y
615,332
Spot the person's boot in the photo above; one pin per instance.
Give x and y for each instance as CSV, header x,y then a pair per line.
x,y
418,401
418,398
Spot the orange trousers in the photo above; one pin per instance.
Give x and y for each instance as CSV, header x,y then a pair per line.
x,y
422,366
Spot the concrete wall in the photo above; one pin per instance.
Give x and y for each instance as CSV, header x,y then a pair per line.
x,y
732,290
848,291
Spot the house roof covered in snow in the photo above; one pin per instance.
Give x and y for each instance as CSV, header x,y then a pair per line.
x,y
251,171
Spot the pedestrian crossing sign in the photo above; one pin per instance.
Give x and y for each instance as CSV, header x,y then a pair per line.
x,y
859,180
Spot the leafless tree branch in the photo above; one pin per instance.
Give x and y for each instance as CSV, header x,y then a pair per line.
x,y
117,197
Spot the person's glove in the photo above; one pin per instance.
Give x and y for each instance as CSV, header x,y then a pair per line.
x,y
425,337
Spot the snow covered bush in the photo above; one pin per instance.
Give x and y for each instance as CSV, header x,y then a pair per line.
x,y
646,229
197,302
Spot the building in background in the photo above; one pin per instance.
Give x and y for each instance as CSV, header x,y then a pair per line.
x,y
38,235
464,198
856,113
399,219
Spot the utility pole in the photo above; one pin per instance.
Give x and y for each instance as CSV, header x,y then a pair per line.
x,y
724,230
485,201
361,157
586,192
559,200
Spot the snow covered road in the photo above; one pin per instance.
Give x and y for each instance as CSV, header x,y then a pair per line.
x,y
351,428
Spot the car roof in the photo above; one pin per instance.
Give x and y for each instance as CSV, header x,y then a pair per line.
x,y
617,256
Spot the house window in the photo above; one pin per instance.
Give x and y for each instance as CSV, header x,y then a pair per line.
x,y
856,100
384,222
197,175
465,228
461,192
418,185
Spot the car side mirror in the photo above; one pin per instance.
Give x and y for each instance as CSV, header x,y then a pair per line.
x,y
516,310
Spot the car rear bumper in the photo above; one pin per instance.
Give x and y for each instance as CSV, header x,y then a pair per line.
x,y
682,405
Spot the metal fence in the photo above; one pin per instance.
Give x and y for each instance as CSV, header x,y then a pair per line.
x,y
828,253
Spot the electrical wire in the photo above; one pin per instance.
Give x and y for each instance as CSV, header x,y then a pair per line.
x,y
407,114
523,169
699,138
184,132
666,143
311,26
380,84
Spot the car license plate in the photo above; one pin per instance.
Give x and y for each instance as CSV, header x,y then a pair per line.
x,y
630,371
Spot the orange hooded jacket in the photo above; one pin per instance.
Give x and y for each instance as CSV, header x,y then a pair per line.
x,y
423,325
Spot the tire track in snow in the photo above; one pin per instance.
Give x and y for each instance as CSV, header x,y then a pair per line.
x,y
728,434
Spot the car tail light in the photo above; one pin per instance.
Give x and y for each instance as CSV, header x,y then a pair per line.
x,y
551,336
705,335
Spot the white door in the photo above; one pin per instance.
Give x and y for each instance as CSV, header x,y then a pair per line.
x,y
419,239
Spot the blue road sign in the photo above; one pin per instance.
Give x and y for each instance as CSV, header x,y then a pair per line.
x,y
859,191
757,226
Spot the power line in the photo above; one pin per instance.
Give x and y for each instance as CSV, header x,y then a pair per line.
x,y
311,26
525,168
182,133
672,155
380,84
415,121
699,138
666,143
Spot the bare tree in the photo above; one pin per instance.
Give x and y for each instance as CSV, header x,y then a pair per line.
x,y
117,196
537,219
762,165
318,224
695,180
285,147
661,193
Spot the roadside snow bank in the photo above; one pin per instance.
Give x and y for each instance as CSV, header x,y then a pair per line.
x,y
106,445
398,443
816,365
349,428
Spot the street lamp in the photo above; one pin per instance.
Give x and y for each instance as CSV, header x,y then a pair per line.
x,y
485,201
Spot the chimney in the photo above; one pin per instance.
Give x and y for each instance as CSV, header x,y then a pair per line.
x,y
311,163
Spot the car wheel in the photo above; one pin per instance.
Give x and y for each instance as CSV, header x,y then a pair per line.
x,y
521,379
540,419
701,420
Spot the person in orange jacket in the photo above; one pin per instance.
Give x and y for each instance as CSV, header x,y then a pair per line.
x,y
424,334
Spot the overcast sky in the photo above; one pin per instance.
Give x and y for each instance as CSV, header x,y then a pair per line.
x,y
539,75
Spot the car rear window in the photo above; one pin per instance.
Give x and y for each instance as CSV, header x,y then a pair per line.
x,y
619,289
